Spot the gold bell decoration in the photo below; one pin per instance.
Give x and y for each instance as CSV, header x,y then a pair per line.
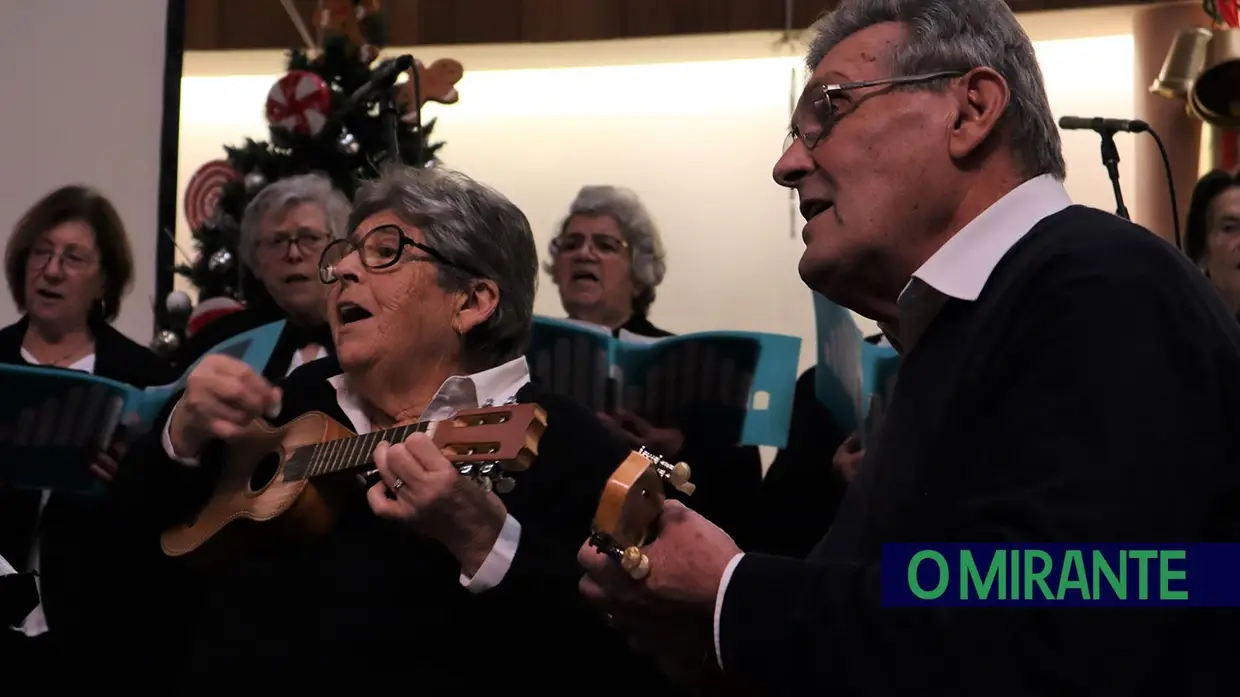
x,y
1202,69
1184,62
1215,95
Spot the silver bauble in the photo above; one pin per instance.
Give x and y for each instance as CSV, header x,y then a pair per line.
x,y
254,181
220,261
347,143
165,343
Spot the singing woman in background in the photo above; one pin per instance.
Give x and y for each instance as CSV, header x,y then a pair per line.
x,y
606,261
283,232
68,264
1212,233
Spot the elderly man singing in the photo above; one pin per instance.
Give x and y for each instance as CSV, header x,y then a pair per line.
x,y
437,585
1067,377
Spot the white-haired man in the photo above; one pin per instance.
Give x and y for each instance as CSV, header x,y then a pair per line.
x,y
1067,377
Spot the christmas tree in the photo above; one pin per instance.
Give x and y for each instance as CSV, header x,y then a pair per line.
x,y
316,124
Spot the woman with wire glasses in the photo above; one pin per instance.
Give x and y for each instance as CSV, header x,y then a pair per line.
x,y
607,261
68,264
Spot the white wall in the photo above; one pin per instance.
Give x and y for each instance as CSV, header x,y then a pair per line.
x,y
693,124
83,101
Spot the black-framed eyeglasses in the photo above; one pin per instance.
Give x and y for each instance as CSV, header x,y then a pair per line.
x,y
379,249
816,105
307,241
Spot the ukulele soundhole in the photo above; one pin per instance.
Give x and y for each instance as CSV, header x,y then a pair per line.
x,y
265,471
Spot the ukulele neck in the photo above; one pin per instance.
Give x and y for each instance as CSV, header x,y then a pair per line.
x,y
345,454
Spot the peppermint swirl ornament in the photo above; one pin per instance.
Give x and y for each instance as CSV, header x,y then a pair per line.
x,y
299,102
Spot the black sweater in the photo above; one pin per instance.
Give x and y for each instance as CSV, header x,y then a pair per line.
x,y
1090,394
373,604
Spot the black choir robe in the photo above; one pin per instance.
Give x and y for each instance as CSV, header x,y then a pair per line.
x,y
728,477
1090,394
802,491
372,605
93,573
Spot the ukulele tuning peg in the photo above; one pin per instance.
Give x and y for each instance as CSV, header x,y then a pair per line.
x,y
466,470
505,485
635,563
486,483
677,475
679,478
604,544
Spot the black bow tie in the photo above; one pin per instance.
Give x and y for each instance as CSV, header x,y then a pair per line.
x,y
301,336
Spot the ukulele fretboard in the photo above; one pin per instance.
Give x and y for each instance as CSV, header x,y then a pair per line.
x,y
343,454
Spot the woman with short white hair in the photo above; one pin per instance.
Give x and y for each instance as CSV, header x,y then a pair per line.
x,y
607,260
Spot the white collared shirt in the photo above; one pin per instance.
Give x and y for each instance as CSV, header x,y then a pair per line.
x,y
493,386
298,360
963,265
959,269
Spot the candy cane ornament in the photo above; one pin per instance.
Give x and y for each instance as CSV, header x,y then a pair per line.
x,y
202,193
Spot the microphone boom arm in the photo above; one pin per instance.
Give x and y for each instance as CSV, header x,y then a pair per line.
x,y
1110,160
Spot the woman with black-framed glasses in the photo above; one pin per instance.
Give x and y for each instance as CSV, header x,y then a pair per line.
x,y
430,300
380,248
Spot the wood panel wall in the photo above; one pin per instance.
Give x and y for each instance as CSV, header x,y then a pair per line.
x,y
263,24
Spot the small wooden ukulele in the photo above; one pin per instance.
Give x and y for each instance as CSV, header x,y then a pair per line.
x,y
628,512
287,477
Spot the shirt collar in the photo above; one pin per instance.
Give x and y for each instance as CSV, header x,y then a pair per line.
x,y
963,265
459,392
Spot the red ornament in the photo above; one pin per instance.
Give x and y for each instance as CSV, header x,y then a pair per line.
x,y
202,194
300,102
209,310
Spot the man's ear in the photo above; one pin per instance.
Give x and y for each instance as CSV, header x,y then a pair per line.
x,y
982,97
478,303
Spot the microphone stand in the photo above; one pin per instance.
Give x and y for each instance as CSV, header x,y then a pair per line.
x,y
1110,160
391,124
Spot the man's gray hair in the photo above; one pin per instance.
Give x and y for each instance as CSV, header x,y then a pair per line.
x,y
649,258
961,35
283,194
473,225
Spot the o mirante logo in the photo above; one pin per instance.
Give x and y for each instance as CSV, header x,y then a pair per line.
x,y
1199,575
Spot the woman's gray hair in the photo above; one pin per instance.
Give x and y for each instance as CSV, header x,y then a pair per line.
x,y
282,195
473,225
961,35
649,258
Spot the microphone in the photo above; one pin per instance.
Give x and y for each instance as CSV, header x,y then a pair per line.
x,y
378,87
1099,124
383,78
1107,128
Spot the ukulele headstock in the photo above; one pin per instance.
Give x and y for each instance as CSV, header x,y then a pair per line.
x,y
487,443
628,511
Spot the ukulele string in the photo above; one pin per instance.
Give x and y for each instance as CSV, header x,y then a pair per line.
x,y
372,475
